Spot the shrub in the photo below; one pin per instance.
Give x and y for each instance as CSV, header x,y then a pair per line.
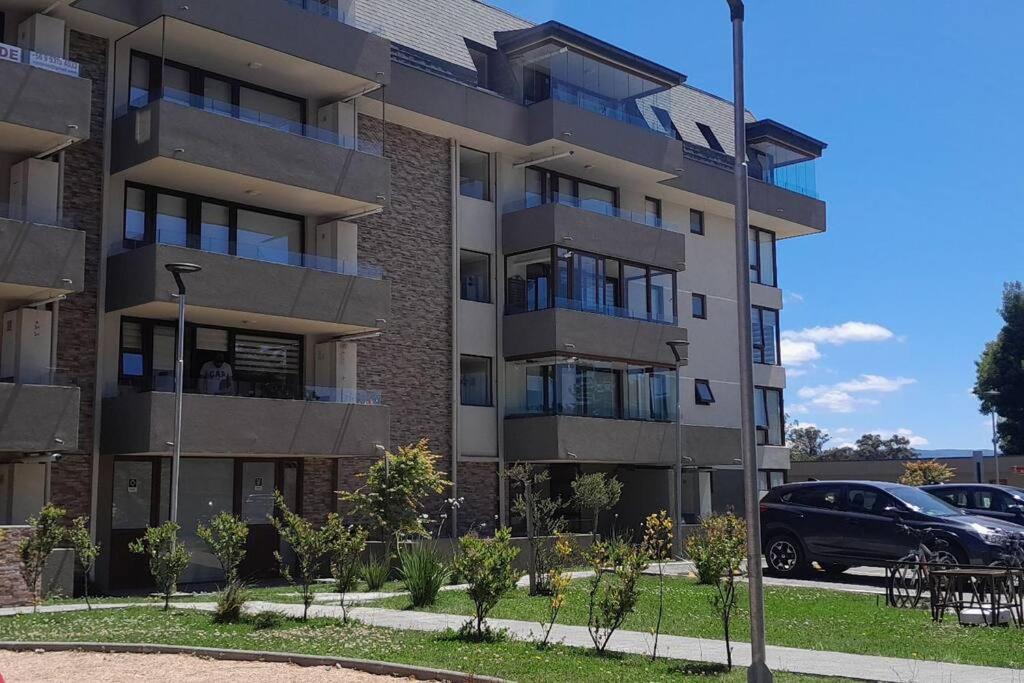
x,y
657,545
558,582
423,574
718,549
542,519
167,557
595,492
86,551
266,619
226,537
345,546
611,601
922,472
47,535
230,601
375,573
309,545
486,565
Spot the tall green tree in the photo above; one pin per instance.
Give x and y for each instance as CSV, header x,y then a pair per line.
x,y
1001,370
806,443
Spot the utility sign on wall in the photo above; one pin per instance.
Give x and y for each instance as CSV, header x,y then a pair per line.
x,y
133,485
10,53
257,484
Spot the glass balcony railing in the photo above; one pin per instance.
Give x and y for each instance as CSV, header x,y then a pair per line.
x,y
281,388
253,116
257,252
599,206
39,215
800,178
608,108
58,377
325,10
568,304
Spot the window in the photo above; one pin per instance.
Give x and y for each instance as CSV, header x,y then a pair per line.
x,y
475,372
481,64
135,214
474,174
699,302
765,334
652,211
768,416
769,479
696,222
131,364
957,497
474,276
663,300
528,287
825,497
710,137
544,186
866,500
269,237
171,219
702,392
761,246
994,501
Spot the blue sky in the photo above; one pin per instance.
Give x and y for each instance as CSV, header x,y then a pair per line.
x,y
917,100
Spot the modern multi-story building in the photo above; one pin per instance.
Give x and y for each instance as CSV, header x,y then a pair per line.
x,y
413,218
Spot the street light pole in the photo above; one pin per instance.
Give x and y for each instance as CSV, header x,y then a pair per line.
x,y
992,394
678,348
758,671
177,270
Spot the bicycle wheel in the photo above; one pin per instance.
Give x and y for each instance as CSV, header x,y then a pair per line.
x,y
906,582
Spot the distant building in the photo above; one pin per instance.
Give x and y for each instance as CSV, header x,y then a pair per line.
x,y
1011,470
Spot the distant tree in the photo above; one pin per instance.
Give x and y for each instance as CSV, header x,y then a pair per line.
x,y
595,492
922,472
874,447
1001,369
806,443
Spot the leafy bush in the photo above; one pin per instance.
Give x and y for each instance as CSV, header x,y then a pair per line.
x,y
47,535
375,573
595,492
167,557
611,601
266,619
657,545
558,583
309,545
922,472
543,519
226,537
718,549
347,543
423,573
86,550
486,565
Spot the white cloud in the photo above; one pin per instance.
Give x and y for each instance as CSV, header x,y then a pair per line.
x,y
795,372
793,296
842,397
799,352
848,332
875,383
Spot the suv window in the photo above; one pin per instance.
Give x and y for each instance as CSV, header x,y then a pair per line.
x,y
866,500
989,500
825,497
957,497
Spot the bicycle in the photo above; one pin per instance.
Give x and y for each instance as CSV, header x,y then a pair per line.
x,y
907,578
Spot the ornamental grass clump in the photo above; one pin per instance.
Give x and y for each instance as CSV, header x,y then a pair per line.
x,y
423,574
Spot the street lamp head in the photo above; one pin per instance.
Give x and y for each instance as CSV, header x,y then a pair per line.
x,y
179,269
678,347
735,8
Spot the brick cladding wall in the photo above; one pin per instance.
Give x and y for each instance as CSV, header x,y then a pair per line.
x,y
318,487
411,240
478,484
77,345
13,589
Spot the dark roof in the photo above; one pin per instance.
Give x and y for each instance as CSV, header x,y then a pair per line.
x,y
516,41
769,129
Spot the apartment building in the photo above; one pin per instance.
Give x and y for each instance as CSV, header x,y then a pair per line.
x,y
413,219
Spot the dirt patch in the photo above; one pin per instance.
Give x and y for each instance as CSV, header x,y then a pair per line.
x,y
58,667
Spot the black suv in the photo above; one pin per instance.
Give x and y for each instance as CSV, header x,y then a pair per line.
x,y
985,500
841,524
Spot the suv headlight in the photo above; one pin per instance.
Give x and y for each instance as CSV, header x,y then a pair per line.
x,y
991,535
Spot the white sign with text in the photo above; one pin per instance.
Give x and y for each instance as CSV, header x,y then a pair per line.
x,y
10,53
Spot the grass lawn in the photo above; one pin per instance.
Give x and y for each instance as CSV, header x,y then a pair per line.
x,y
796,617
517,661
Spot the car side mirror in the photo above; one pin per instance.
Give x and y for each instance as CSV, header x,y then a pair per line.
x,y
892,511
1016,508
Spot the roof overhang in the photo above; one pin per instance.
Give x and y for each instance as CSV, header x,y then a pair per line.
x,y
769,132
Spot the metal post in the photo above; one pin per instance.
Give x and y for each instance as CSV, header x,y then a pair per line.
x,y
758,671
678,347
179,386
995,443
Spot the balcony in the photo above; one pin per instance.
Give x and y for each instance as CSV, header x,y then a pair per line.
x,y
38,259
41,109
594,227
323,422
288,292
584,439
38,418
200,145
605,332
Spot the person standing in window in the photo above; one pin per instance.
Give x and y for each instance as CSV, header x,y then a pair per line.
x,y
215,376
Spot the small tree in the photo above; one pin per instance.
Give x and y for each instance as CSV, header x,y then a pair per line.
x,y
806,443
309,544
611,601
167,557
346,544
718,548
226,538
542,520
594,493
922,472
86,551
486,565
47,535
396,489
657,545
558,581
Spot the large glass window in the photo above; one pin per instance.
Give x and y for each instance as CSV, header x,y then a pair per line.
x,y
139,81
765,333
663,299
131,363
762,257
269,237
171,220
270,110
474,174
475,372
474,276
215,230
543,186
528,286
652,211
134,214
768,416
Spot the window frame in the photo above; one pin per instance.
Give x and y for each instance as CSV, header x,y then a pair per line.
x,y
766,430
658,214
760,345
487,195
698,399
703,299
490,381
489,277
696,213
757,267
550,186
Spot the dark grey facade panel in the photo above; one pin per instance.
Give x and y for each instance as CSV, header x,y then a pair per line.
x,y
589,439
45,100
42,256
38,418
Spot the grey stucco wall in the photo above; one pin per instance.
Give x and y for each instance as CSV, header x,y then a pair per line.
x,y
45,100
711,445
234,146
233,425
589,334
138,277
34,417
553,223
589,439
42,255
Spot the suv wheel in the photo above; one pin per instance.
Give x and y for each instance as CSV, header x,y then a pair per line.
x,y
784,556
